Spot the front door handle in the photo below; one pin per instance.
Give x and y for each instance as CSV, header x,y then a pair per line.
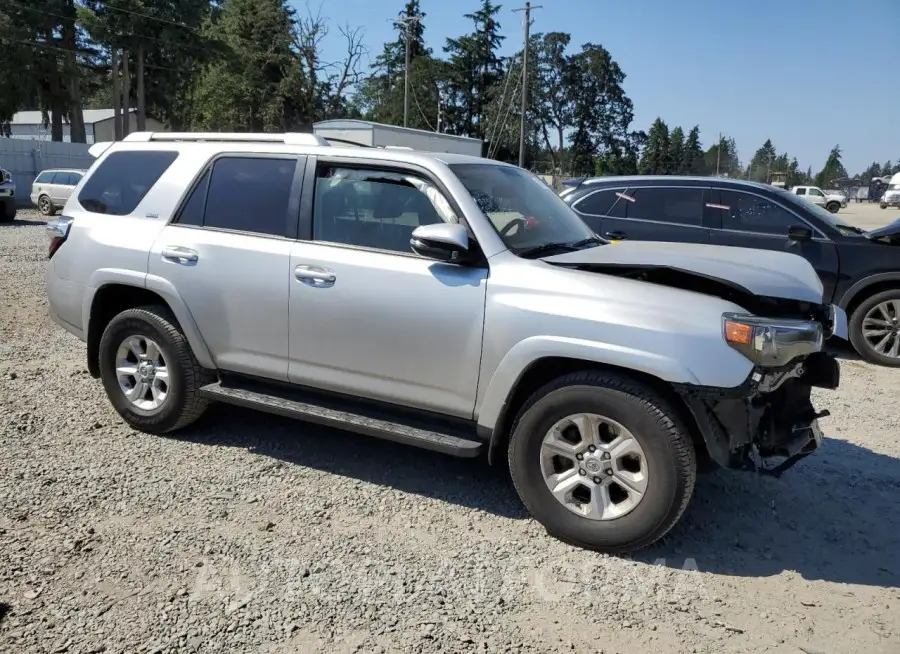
x,y
179,254
616,236
315,276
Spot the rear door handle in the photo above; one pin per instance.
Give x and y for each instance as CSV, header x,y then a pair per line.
x,y
315,276
179,254
616,236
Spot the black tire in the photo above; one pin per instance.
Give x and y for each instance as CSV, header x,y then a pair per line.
x,y
883,205
833,207
45,205
860,344
7,212
184,404
671,460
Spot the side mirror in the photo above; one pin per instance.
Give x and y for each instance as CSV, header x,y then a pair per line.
x,y
798,233
442,242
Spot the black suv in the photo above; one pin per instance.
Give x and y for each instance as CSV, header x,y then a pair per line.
x,y
860,270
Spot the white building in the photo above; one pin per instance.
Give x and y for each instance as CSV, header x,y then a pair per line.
x,y
98,125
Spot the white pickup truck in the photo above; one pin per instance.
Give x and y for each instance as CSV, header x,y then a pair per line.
x,y
831,201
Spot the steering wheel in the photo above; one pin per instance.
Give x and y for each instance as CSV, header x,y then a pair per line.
x,y
515,222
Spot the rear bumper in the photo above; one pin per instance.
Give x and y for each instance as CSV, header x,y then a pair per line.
x,y
769,422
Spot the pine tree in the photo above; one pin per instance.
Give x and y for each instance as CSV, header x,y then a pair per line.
x,y
692,158
656,152
675,159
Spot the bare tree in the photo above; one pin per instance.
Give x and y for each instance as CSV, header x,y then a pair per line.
x,y
328,82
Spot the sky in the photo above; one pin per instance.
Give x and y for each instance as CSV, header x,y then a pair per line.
x,y
808,74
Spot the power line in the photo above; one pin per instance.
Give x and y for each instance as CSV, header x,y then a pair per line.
x,y
422,113
502,102
46,46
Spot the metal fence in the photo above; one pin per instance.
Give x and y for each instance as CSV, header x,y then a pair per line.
x,y
24,159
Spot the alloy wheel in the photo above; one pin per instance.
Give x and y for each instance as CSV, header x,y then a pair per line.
x,y
142,372
594,466
881,328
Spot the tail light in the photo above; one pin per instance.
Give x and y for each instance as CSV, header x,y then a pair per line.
x,y
58,231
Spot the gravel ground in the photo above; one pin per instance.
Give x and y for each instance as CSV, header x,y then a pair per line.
x,y
250,533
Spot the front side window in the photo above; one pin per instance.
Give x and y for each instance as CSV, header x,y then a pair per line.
x,y
372,208
123,179
682,206
525,212
598,203
749,213
816,192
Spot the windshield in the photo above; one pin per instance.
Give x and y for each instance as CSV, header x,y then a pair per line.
x,y
822,213
525,211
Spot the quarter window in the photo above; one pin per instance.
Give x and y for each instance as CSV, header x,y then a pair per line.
x,y
123,179
750,213
45,177
682,206
375,208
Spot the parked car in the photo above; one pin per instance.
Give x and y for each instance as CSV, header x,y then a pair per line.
x,y
831,201
860,270
52,188
439,300
7,196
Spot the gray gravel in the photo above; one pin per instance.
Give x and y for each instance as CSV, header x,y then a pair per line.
x,y
250,533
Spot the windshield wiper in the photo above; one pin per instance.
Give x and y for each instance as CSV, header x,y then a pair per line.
x,y
563,246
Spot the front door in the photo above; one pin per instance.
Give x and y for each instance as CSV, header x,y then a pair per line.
x,y
227,253
752,221
370,318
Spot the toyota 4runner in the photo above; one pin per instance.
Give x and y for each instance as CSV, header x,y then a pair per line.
x,y
444,301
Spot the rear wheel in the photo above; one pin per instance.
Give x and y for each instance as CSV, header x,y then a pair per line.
x,y
833,207
149,372
602,461
875,328
45,205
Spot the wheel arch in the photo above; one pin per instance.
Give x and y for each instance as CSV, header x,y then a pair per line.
x,y
545,369
112,298
866,288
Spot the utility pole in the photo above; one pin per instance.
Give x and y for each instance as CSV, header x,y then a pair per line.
x,y
718,153
406,22
527,9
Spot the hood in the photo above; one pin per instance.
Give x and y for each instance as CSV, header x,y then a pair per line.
x,y
888,230
764,273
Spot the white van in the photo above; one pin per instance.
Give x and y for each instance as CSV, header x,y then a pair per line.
x,y
891,197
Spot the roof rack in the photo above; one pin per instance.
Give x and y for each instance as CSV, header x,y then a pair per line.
x,y
288,138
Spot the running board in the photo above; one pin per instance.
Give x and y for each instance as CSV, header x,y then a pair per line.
x,y
364,419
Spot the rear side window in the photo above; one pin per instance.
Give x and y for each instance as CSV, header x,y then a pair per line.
x,y
801,191
248,194
123,179
45,177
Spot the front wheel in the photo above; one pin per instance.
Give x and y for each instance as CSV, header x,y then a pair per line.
x,y
833,207
602,461
875,328
149,372
883,205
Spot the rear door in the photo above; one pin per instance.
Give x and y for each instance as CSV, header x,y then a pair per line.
x,y
647,213
227,253
744,219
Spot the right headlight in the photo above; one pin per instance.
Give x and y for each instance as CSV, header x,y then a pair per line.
x,y
772,342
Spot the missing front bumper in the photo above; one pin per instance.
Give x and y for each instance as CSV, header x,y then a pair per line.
x,y
769,423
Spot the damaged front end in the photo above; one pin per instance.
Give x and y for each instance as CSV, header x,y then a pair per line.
x,y
768,423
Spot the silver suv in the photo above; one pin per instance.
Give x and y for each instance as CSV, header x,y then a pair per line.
x,y
52,188
444,301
